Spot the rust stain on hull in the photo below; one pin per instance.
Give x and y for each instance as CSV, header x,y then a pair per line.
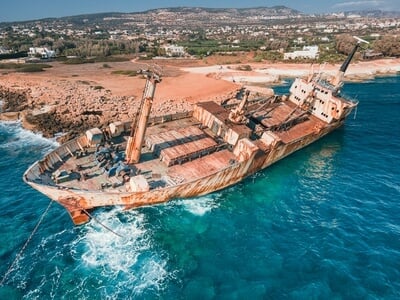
x,y
230,169
78,202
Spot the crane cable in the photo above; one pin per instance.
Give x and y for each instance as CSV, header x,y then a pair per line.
x,y
19,255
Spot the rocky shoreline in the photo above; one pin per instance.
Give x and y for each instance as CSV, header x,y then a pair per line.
x,y
76,114
69,108
70,101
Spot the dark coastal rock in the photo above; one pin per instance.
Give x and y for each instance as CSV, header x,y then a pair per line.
x,y
47,123
14,100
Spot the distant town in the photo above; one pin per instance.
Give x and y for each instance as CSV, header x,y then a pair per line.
x,y
276,33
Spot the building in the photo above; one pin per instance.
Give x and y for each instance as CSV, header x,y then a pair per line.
x,y
3,50
174,51
308,52
41,52
370,54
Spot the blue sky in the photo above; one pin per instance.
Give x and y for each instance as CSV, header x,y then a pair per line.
x,y
19,10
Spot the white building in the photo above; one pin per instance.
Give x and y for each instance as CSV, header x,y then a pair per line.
x,y
3,50
42,52
174,51
308,52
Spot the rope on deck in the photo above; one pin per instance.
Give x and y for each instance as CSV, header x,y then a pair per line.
x,y
19,255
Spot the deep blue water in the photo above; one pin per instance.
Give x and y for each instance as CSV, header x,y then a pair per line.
x,y
323,223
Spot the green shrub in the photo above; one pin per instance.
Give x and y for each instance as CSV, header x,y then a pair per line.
x,y
111,59
25,67
78,61
125,72
81,60
30,69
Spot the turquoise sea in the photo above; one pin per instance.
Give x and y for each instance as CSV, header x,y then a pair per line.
x,y
323,223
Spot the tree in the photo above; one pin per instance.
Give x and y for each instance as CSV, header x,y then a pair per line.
x,y
106,51
344,43
43,42
389,45
61,45
142,47
276,44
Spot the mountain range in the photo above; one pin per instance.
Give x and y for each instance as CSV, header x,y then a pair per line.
x,y
202,13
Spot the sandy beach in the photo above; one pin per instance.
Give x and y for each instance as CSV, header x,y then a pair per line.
x,y
72,98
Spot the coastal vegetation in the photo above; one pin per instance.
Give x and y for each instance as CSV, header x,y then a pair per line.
x,y
96,59
27,68
331,52
389,45
201,32
125,72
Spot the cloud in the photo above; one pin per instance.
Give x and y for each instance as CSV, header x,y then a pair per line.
x,y
360,4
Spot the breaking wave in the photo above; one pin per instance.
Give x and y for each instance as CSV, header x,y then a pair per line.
x,y
119,247
15,139
200,205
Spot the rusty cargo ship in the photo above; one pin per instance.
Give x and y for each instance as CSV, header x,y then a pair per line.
x,y
155,159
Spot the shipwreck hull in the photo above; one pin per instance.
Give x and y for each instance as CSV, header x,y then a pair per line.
x,y
79,202
153,160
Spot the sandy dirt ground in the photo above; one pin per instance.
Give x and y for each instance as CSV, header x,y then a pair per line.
x,y
76,97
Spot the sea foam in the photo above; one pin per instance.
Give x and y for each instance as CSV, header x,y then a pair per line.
x,y
119,245
200,205
16,139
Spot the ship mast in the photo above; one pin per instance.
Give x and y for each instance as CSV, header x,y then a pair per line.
x,y
237,115
338,79
139,124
